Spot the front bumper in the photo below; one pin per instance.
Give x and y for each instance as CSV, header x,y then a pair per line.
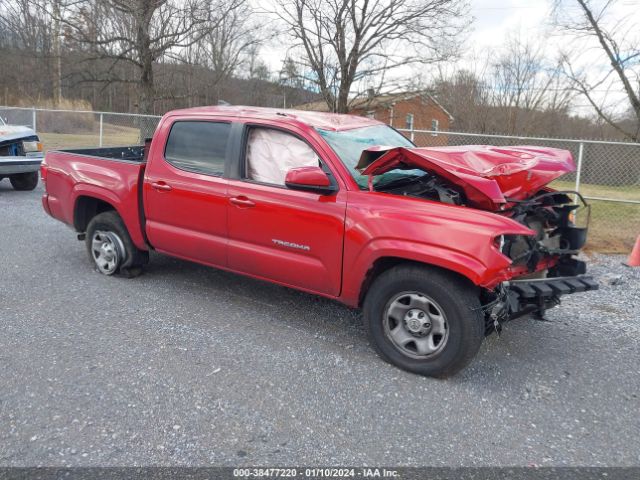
x,y
529,291
14,165
517,298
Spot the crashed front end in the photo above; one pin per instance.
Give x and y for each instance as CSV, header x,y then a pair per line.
x,y
20,150
511,182
544,264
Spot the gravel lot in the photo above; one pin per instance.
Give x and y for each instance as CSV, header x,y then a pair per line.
x,y
187,365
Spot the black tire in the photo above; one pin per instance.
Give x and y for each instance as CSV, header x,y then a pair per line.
x,y
454,297
24,181
108,228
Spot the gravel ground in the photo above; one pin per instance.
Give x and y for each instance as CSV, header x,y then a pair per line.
x,y
187,365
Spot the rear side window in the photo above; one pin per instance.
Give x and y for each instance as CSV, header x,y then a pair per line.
x,y
198,146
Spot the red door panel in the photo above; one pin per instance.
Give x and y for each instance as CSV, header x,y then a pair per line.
x,y
186,207
190,219
287,236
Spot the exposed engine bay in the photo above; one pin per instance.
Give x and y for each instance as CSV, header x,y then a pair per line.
x,y
429,187
549,213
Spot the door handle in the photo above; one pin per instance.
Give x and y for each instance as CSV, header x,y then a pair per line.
x,y
242,202
161,186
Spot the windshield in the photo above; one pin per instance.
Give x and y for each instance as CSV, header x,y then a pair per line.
x,y
349,144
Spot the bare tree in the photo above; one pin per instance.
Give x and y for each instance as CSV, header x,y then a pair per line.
x,y
511,90
230,42
616,45
523,81
58,8
26,41
467,96
345,42
24,25
143,31
226,47
290,75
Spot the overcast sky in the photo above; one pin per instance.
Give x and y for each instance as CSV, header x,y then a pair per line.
x,y
495,20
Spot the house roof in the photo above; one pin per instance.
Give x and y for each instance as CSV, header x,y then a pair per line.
x,y
378,101
322,120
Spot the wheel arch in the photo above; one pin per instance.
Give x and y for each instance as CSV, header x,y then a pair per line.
x,y
127,207
385,263
86,207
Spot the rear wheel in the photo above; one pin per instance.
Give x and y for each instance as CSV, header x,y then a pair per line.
x,y
110,247
424,320
24,181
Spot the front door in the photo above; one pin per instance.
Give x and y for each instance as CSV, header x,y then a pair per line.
x,y
287,236
185,194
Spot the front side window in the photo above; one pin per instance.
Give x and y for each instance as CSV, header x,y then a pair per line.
x,y
349,144
272,153
198,146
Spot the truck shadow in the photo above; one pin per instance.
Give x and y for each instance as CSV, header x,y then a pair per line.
x,y
7,189
519,346
208,300
314,314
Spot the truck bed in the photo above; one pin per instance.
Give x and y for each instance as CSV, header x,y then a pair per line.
x,y
133,153
112,175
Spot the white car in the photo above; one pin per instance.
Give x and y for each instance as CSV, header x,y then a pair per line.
x,y
20,156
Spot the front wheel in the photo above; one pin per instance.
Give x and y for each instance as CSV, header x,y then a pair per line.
x,y
424,320
24,181
110,247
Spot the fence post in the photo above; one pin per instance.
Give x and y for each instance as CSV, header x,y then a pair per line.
x,y
100,142
578,172
579,167
33,118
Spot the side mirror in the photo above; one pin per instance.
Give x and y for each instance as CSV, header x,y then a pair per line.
x,y
310,179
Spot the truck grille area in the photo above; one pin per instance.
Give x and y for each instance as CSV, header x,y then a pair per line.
x,y
14,148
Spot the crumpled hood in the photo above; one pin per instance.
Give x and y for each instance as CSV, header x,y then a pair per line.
x,y
489,176
13,132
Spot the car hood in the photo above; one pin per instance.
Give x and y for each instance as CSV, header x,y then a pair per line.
x,y
13,132
490,176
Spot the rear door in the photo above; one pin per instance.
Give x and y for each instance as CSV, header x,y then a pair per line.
x,y
288,236
185,194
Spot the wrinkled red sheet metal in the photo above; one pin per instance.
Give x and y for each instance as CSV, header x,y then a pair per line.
x,y
490,176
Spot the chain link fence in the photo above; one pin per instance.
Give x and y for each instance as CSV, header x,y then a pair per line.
x,y
76,129
607,174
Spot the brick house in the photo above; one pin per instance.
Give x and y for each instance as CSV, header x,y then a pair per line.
x,y
408,110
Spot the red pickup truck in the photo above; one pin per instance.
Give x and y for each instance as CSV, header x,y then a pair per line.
x,y
438,246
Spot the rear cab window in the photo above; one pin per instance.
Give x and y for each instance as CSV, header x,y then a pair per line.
x,y
198,146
